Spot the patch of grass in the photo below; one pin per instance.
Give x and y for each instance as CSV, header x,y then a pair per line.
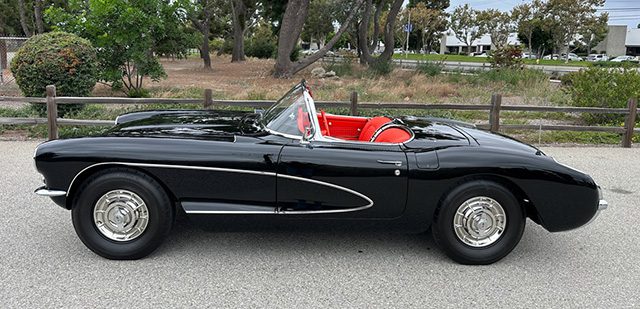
x,y
564,137
464,58
430,68
381,68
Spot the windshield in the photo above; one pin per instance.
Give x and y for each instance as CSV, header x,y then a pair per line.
x,y
290,115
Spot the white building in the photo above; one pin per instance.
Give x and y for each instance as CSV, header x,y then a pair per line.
x,y
451,44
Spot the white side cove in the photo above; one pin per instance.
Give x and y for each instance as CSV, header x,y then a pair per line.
x,y
231,170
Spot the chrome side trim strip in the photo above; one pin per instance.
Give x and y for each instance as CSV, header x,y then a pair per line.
x,y
231,170
187,167
42,191
229,212
322,183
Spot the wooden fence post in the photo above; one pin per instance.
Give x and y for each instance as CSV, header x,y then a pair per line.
x,y
630,123
354,103
494,113
52,113
208,98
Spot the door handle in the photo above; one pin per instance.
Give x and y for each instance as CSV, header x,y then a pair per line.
x,y
396,163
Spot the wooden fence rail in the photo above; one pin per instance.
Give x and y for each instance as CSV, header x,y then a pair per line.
x,y
495,108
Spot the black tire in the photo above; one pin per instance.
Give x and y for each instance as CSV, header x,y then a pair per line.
x,y
445,235
160,213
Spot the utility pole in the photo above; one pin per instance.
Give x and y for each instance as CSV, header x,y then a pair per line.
x,y
406,49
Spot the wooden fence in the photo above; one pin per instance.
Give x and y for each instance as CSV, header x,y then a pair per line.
x,y
494,108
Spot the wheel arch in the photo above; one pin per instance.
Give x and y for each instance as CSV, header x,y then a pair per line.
x,y
522,197
83,175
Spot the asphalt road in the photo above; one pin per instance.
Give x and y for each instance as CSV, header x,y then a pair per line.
x,y
44,264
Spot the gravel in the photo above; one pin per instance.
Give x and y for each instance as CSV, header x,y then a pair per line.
x,y
44,264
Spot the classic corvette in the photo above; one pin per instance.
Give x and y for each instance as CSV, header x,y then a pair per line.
x,y
474,189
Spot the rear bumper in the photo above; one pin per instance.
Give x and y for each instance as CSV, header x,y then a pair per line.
x,y
43,191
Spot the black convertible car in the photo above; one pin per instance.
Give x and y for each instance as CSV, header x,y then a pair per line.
x,y
292,163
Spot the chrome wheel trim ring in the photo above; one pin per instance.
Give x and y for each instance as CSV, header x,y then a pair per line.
x,y
479,222
121,215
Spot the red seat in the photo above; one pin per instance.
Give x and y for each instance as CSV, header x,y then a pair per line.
x,y
371,127
393,135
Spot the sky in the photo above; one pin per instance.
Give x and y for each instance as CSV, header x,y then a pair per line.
x,y
621,12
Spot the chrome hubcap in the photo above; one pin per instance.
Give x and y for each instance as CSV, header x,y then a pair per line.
x,y
121,215
480,221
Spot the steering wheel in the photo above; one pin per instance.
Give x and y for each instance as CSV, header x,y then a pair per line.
x,y
324,120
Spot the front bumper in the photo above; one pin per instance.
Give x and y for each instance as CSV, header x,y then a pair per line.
x,y
43,191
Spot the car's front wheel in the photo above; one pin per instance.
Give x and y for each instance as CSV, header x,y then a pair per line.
x,y
122,214
478,222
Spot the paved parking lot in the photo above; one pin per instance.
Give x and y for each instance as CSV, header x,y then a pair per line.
x,y
44,264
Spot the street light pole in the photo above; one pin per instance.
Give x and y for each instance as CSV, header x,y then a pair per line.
x,y
406,49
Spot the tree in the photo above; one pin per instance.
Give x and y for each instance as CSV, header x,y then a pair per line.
x,y
319,23
440,5
291,25
528,17
200,12
464,24
241,13
366,55
565,19
37,15
429,23
593,31
125,56
498,25
23,18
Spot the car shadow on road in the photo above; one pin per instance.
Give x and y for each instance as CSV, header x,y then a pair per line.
x,y
247,238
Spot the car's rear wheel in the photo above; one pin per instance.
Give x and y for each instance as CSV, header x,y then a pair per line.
x,y
478,222
122,214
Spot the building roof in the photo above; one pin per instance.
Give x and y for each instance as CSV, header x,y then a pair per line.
x,y
485,40
633,37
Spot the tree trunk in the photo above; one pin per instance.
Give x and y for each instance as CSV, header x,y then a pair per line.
x,y
37,14
292,22
206,29
239,24
23,18
530,38
389,28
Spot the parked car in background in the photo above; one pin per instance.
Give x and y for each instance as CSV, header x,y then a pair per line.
x,y
529,56
551,57
623,59
481,55
572,57
597,57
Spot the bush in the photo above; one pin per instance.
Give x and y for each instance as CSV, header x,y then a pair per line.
x,y
507,57
56,58
343,67
430,68
381,68
611,88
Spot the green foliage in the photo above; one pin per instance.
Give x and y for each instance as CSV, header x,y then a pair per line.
x,y
430,68
381,68
506,57
56,58
342,68
598,87
128,35
263,44
218,45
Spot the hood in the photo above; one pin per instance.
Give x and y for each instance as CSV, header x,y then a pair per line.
x,y
185,123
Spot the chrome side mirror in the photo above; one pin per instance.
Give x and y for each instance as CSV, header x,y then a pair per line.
x,y
307,135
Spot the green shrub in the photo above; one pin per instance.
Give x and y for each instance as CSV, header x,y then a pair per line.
x,y
430,68
56,58
608,64
611,88
381,68
217,45
342,68
507,57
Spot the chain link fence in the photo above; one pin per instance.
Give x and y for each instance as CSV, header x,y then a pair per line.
x,y
8,48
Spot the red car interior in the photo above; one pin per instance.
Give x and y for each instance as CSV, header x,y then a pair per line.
x,y
360,129
354,128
